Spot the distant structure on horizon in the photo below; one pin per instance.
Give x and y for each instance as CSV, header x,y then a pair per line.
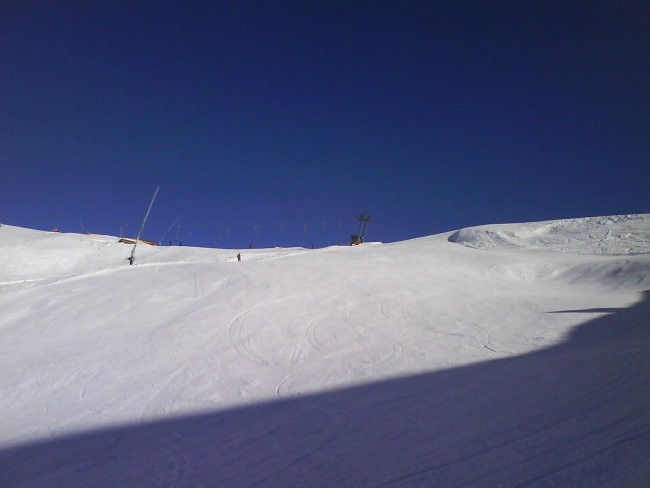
x,y
360,236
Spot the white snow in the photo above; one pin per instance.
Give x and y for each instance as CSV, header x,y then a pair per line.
x,y
500,355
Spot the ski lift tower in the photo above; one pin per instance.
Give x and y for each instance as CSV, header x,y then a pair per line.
x,y
363,226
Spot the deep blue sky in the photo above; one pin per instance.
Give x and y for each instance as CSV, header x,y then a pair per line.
x,y
277,123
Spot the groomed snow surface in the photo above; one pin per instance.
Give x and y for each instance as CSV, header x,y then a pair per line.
x,y
503,355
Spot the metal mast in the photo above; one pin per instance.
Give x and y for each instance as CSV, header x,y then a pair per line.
x,y
132,257
363,226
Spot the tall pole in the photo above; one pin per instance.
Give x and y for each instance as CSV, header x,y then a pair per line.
x,y
132,257
363,225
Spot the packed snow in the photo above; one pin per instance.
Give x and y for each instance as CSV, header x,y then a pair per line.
x,y
500,355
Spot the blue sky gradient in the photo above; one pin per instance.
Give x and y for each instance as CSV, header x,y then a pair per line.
x,y
276,123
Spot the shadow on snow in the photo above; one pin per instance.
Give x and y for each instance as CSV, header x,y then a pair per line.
x,y
576,414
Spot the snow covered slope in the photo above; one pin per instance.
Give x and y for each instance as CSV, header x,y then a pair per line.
x,y
619,235
507,354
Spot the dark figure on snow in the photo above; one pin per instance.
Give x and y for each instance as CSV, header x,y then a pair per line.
x,y
239,257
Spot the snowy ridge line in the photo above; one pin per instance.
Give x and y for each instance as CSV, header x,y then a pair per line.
x,y
618,235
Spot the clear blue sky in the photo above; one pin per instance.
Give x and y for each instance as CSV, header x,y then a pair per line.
x,y
277,123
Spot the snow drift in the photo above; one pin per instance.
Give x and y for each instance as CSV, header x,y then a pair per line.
x,y
507,354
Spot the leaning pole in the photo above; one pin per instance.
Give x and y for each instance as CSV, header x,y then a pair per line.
x,y
132,257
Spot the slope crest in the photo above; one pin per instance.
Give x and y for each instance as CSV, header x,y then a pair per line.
x,y
621,235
